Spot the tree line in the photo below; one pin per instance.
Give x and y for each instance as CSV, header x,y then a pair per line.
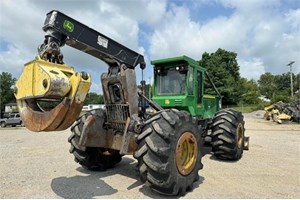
x,y
223,69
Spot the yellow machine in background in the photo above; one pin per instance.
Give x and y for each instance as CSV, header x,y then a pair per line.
x,y
281,112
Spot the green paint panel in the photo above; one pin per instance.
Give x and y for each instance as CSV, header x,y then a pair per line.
x,y
178,83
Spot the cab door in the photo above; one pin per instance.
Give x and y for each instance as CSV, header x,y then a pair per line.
x,y
199,87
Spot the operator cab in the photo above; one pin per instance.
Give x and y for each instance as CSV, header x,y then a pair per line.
x,y
179,83
171,79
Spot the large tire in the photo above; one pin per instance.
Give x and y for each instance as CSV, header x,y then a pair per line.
x,y
228,134
92,158
3,124
168,154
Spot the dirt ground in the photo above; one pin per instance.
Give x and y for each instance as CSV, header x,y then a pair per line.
x,y
39,165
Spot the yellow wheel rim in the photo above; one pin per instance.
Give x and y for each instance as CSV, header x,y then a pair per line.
x,y
186,153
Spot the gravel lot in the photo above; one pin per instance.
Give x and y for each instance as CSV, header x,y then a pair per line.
x,y
38,165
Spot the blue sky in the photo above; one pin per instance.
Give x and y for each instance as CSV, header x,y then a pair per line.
x,y
264,33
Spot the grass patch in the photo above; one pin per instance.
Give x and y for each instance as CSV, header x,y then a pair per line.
x,y
244,109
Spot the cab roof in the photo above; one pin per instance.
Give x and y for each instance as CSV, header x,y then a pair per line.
x,y
175,59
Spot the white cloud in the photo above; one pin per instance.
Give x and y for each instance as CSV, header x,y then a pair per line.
x,y
181,35
13,59
256,31
293,18
252,68
252,7
21,27
144,11
264,36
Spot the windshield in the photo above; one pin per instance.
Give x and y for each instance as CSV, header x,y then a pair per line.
x,y
171,83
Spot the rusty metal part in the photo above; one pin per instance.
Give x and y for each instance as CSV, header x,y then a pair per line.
x,y
186,153
117,115
36,119
80,88
95,135
93,132
240,135
129,144
246,143
89,122
121,89
241,139
50,49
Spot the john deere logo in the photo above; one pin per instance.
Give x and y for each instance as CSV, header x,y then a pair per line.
x,y
167,101
68,26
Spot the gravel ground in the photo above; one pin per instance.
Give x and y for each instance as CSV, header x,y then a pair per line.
x,y
38,165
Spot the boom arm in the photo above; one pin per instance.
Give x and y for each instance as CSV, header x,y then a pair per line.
x,y
47,79
62,29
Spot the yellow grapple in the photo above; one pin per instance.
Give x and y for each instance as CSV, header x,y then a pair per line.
x,y
43,81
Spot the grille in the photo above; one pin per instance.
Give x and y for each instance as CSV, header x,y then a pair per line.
x,y
117,115
178,102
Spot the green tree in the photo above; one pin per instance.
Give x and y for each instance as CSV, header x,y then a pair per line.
x,y
297,87
93,98
6,92
224,71
250,92
267,85
278,87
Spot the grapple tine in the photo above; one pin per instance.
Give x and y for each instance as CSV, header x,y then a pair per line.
x,y
42,121
71,115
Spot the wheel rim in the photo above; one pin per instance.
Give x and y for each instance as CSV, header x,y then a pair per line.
x,y
186,153
240,135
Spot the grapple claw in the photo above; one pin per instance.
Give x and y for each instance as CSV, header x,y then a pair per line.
x,y
38,120
42,81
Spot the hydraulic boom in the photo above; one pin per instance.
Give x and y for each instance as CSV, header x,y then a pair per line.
x,y
48,81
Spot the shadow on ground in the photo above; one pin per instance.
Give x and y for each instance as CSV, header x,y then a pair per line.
x,y
90,186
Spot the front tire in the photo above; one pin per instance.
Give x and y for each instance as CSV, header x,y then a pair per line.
x,y
228,135
168,154
92,158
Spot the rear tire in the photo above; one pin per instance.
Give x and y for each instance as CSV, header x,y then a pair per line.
x,y
92,158
3,124
168,152
228,134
